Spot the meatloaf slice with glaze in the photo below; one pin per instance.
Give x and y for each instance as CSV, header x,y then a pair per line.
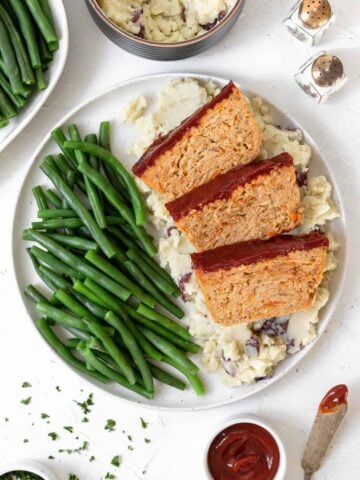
x,y
219,136
251,281
250,202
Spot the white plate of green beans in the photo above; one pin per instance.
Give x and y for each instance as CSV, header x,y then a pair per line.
x,y
85,268
34,40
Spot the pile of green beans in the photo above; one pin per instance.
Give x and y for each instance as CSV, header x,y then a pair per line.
x,y
97,259
28,41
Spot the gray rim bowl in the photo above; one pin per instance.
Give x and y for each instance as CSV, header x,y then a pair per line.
x,y
164,51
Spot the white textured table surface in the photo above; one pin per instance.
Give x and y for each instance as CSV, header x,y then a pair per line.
x,y
263,56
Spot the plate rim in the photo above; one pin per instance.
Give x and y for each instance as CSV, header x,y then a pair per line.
x,y
63,54
300,355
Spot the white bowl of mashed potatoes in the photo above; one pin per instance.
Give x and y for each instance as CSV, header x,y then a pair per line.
x,y
165,29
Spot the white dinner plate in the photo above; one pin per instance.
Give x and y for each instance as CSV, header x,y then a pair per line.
x,y
108,106
52,76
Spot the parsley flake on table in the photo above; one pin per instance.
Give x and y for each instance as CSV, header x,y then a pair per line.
x,y
130,447
116,461
85,420
110,425
69,428
26,401
147,440
26,385
143,423
44,416
26,440
50,457
110,476
57,388
53,435
6,419
92,458
86,404
130,438
72,476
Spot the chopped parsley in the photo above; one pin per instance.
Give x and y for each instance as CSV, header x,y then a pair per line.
x,y
26,385
110,476
70,451
26,440
110,425
130,447
72,476
143,423
92,458
26,401
116,461
50,457
147,440
44,416
130,438
53,435
85,420
86,404
6,419
69,429
57,388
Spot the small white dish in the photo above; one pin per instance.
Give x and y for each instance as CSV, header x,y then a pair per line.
x,y
32,466
280,475
52,75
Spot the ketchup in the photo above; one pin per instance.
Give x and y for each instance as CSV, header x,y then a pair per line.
x,y
244,451
335,397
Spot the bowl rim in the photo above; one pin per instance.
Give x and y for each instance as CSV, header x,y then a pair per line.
x,y
29,465
235,9
235,419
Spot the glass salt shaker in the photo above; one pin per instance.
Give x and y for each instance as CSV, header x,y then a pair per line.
x,y
309,19
321,76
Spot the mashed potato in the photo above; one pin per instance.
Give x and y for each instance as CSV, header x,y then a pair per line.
x,y
166,21
249,352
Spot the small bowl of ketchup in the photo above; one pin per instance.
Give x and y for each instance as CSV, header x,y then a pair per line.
x,y
245,449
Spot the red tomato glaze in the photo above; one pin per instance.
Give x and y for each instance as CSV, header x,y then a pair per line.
x,y
335,397
243,451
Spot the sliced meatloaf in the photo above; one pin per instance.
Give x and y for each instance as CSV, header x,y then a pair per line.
x,y
219,136
250,202
251,281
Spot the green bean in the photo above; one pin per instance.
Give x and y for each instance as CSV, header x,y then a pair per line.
x,y
40,198
106,156
57,281
163,332
56,213
114,199
58,135
104,141
45,278
4,122
153,275
97,310
147,285
9,58
40,79
112,374
49,260
74,261
98,331
53,198
64,353
34,294
93,193
43,24
112,303
166,377
91,189
45,54
77,243
119,277
6,107
17,100
165,322
71,223
73,305
61,317
80,288
19,47
63,164
81,211
131,244
28,31
133,348
168,349
194,380
47,10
